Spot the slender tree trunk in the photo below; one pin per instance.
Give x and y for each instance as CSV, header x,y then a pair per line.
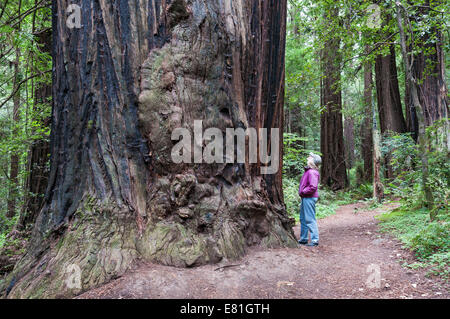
x,y
114,192
14,164
349,134
414,94
412,125
378,188
367,126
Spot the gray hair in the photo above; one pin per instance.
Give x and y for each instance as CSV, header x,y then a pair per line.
x,y
317,159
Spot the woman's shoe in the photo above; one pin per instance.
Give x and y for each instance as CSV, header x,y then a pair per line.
x,y
312,244
303,242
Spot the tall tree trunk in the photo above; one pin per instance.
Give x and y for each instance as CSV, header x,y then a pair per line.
x,y
414,94
389,101
14,164
378,188
367,125
429,71
388,93
36,183
114,192
412,125
333,171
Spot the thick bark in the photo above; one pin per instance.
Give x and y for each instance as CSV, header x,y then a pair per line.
x,y
388,93
367,126
429,71
428,68
389,101
333,170
114,193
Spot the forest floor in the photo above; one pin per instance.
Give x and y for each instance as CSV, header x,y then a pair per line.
x,y
351,253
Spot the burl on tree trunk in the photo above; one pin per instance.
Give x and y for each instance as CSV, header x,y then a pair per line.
x,y
134,72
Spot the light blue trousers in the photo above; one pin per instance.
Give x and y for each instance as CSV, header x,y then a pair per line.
x,y
308,220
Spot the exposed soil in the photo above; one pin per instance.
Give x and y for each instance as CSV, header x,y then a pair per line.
x,y
339,268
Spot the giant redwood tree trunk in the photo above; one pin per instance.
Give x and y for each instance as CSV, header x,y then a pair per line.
x,y
333,170
388,93
134,72
389,100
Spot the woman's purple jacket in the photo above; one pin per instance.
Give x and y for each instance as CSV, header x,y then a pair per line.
x,y
309,184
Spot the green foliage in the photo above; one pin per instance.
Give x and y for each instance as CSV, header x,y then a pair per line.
x,y
403,151
433,238
411,222
22,62
291,198
429,240
363,191
325,209
302,94
6,224
439,263
406,164
2,240
311,25
295,155
351,175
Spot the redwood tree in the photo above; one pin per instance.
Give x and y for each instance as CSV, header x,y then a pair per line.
x,y
333,170
429,69
389,100
388,93
132,73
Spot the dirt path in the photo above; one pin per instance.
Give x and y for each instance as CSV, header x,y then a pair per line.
x,y
338,268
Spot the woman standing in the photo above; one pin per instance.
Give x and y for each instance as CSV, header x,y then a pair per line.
x,y
308,191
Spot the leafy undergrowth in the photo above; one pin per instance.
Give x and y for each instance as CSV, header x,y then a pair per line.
x,y
430,241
